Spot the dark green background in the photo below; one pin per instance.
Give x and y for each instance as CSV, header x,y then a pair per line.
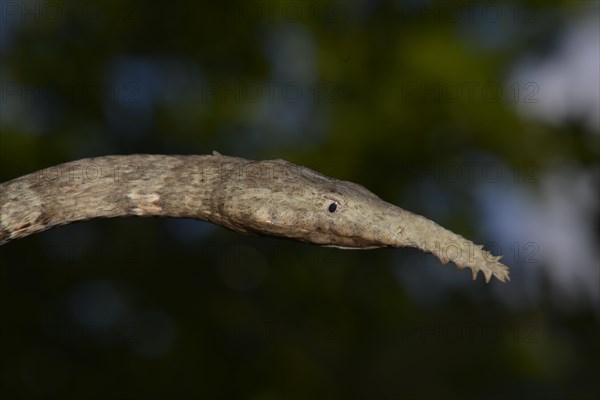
x,y
150,308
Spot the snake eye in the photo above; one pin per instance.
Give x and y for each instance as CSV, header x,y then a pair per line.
x,y
332,207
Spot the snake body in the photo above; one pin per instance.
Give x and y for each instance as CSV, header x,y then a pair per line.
x,y
270,197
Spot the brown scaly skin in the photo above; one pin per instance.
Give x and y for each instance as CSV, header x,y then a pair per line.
x,y
271,197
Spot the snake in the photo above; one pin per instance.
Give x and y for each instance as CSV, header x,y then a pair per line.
x,y
269,197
